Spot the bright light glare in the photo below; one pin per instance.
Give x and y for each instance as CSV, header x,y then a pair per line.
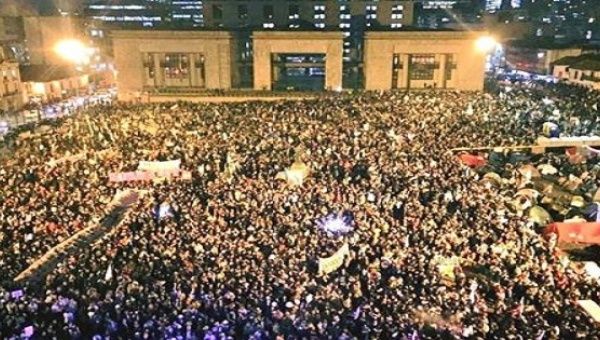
x,y
486,44
74,51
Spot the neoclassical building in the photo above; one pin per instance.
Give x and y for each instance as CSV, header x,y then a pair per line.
x,y
152,62
166,63
423,59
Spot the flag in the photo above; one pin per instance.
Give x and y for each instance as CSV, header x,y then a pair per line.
x,y
109,273
356,313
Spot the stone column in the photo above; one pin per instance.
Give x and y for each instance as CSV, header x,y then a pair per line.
x,y
159,71
441,78
262,67
193,70
403,76
334,66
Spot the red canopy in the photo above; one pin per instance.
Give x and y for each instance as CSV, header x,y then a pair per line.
x,y
578,232
472,161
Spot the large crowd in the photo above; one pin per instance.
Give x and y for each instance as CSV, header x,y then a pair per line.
x,y
238,256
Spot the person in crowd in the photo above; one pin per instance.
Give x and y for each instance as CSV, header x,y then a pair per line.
x,y
238,255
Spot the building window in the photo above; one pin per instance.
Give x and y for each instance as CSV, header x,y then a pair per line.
x,y
293,12
395,25
422,66
243,12
149,65
268,12
217,12
177,66
320,25
450,66
268,25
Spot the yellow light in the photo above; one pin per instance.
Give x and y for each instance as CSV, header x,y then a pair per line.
x,y
73,50
486,44
38,88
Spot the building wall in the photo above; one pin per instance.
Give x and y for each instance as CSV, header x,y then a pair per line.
x,y
552,55
43,33
561,72
267,43
130,48
57,89
11,96
255,17
453,51
589,78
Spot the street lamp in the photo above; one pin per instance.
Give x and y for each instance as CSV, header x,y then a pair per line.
x,y
486,44
73,51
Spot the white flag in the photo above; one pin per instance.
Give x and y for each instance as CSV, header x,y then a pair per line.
x,y
109,273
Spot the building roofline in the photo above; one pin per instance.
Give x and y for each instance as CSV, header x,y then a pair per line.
x,y
170,34
313,35
423,35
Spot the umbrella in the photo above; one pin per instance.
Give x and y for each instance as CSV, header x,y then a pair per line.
x,y
529,170
493,178
592,211
539,215
547,169
550,129
473,161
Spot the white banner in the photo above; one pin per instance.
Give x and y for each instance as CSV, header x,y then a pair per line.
x,y
332,263
159,166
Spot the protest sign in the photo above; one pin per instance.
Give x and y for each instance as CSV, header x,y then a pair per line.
x,y
591,308
332,263
157,176
578,232
159,166
295,174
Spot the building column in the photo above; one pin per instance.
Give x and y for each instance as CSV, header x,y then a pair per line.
x,y
334,66
403,76
441,79
262,67
158,70
193,70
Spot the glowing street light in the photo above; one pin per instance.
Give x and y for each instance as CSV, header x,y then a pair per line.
x,y
74,51
486,44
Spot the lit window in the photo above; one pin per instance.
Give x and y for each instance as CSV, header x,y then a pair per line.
x,y
397,16
268,25
320,25
396,25
344,25
319,16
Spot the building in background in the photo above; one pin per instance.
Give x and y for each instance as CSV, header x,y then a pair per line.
x,y
162,62
146,13
11,95
538,56
422,59
45,83
43,33
582,70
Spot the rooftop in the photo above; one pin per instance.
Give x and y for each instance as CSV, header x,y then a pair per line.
x,y
582,62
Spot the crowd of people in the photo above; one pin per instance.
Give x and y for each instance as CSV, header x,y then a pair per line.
x,y
238,256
